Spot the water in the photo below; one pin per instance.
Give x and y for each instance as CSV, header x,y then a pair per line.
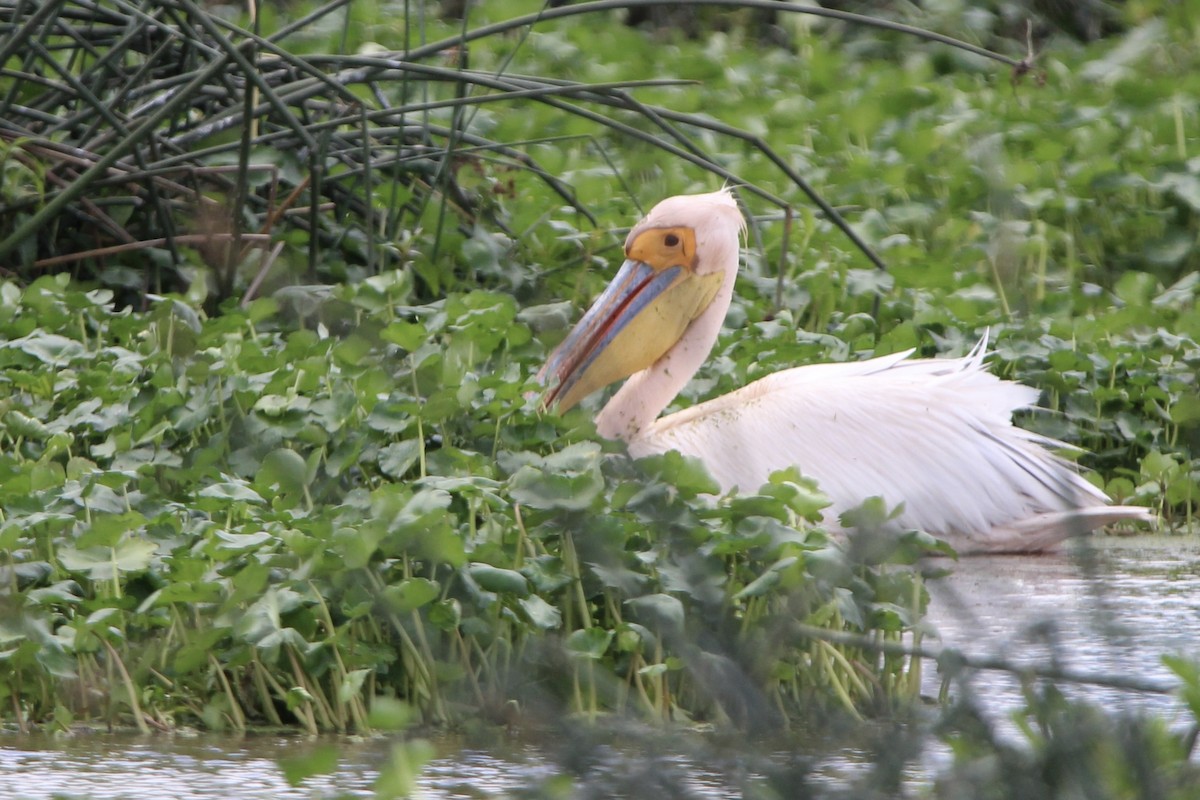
x,y
1113,611
1114,608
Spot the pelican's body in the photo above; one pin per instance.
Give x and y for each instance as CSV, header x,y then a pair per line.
x,y
935,435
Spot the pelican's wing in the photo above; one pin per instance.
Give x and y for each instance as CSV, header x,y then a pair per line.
x,y
933,434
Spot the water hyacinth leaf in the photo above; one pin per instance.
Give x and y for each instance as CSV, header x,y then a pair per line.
x,y
21,426
249,583
396,459
912,546
276,405
618,576
96,497
67,593
264,617
391,418
351,685
107,529
801,494
422,526
758,505
100,617
634,638
498,579
55,659
546,573
230,490
241,542
1180,294
46,476
382,291
352,351
446,614
357,546
654,670
411,594
889,616
540,613
547,317
49,348
270,644
569,480
828,564
766,582
179,310
869,281
659,612
194,654
407,335
687,474
297,696
847,605
285,468
11,632
589,643
1159,466
132,554
871,515
27,572
1185,411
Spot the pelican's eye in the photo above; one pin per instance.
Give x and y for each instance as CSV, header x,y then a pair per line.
x,y
663,248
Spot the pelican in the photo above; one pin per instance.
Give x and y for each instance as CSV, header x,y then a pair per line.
x,y
935,435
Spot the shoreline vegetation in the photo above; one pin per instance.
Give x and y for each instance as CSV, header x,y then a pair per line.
x,y
270,450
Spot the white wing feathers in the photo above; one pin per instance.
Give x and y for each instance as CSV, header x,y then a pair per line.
x,y
933,434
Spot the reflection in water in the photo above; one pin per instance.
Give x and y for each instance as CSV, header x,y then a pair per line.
x,y
1112,609
177,767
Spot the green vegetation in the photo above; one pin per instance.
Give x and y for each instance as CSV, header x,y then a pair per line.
x,y
232,515
269,447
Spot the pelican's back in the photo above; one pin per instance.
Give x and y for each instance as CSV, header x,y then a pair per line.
x,y
933,434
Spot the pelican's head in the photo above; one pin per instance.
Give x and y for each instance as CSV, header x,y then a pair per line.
x,y
677,259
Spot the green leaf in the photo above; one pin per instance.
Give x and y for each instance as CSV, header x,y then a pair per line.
x,y
499,580
540,613
398,458
398,777
22,426
411,594
568,480
352,684
660,612
233,490
1186,410
315,760
107,530
589,643
50,348
283,467
766,583
105,563
408,335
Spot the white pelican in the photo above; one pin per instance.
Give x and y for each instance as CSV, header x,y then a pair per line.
x,y
933,434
